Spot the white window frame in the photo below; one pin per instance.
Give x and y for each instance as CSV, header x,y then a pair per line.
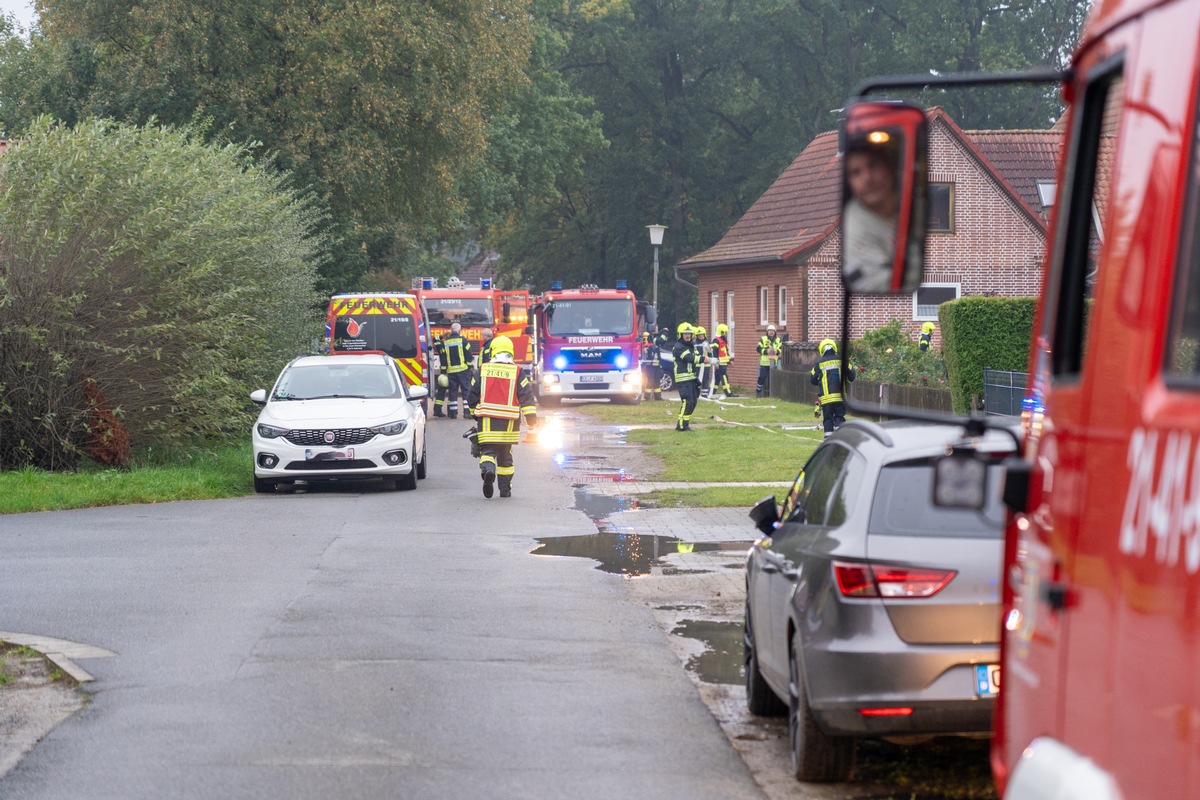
x,y
714,303
922,313
781,293
729,320
764,305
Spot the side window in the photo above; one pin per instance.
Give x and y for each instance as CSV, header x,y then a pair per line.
x,y
1085,195
817,504
845,493
1183,339
793,505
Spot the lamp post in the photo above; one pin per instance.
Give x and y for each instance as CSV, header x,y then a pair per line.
x,y
656,237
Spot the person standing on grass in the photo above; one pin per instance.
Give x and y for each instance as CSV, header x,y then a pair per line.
x,y
769,348
685,376
828,375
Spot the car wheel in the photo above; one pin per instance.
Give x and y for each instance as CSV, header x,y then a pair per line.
x,y
816,756
406,483
264,486
666,382
761,700
423,465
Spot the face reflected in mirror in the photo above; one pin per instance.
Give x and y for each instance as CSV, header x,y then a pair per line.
x,y
869,216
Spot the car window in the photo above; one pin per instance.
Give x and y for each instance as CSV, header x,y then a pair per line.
x,y
793,505
368,381
821,486
845,492
903,505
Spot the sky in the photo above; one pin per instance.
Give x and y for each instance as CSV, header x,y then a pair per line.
x,y
21,9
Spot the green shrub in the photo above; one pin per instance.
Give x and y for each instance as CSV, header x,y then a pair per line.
x,y
889,355
981,333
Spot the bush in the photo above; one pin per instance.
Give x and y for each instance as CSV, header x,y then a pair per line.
x,y
167,275
889,355
981,333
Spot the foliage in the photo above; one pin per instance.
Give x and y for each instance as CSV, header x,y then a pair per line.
x,y
890,355
981,333
167,274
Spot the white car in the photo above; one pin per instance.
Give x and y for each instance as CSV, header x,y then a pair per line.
x,y
343,417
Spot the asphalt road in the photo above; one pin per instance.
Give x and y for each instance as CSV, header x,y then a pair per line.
x,y
356,643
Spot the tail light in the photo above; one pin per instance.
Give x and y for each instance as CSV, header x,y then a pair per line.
x,y
887,581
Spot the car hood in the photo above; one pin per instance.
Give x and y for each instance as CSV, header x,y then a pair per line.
x,y
336,412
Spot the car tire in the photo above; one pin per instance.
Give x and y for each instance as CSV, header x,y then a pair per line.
x,y
264,486
666,382
761,700
406,483
817,757
423,465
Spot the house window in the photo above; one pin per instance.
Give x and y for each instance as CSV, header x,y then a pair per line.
x,y
729,319
941,207
782,305
714,305
1047,194
929,296
764,310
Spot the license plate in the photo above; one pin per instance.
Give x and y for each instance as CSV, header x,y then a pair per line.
x,y
329,455
987,680
591,378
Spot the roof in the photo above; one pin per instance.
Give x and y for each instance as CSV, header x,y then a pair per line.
x,y
801,209
482,265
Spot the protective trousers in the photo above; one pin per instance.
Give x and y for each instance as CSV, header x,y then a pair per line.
x,y
456,393
764,381
689,394
833,416
497,458
652,377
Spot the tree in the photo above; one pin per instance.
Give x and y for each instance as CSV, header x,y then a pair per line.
x,y
146,277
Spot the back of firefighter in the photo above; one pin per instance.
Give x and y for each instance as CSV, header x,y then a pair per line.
x,y
769,348
454,353
703,369
441,383
665,343
926,340
828,375
499,396
686,381
724,357
651,371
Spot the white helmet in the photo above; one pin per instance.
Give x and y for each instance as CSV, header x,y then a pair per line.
x,y
771,328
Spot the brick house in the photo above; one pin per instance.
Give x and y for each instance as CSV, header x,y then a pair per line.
x,y
989,192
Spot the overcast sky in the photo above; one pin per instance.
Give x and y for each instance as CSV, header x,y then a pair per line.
x,y
21,9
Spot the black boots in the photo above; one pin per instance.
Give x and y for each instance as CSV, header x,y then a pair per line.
x,y
489,480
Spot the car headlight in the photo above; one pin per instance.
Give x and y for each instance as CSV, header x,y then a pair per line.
x,y
391,428
270,431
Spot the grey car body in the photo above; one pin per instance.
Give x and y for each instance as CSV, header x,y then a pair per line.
x,y
835,636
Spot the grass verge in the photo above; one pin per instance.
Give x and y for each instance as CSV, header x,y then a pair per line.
x,y
710,497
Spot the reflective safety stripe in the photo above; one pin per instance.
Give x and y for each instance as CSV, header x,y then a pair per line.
x,y
498,391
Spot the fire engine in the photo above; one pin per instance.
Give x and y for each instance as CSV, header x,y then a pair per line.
x,y
390,323
482,310
1100,634
588,343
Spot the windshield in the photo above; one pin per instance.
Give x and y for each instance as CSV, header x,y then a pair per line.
x,y
468,311
311,382
394,334
902,505
591,317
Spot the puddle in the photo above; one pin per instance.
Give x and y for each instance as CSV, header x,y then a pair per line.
x,y
622,553
721,661
598,506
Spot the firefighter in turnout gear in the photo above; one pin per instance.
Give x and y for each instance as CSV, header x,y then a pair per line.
x,y
454,353
926,340
769,348
651,371
685,376
828,375
665,343
441,384
724,357
704,370
500,395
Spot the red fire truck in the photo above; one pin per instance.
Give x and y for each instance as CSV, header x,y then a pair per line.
x,y
483,312
1100,699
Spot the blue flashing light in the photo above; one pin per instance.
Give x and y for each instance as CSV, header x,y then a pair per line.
x,y
560,362
622,284
556,286
622,361
427,283
485,283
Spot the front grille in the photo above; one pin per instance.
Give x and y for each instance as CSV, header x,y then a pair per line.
x,y
342,437
594,387
591,357
331,465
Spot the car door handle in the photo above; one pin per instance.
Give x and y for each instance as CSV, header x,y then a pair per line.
x,y
770,567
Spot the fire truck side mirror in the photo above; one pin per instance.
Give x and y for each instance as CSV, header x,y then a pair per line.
x,y
529,330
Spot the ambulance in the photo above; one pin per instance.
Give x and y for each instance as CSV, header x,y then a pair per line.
x,y
1100,633
391,323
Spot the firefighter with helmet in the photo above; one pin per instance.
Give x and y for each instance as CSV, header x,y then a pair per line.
x,y
827,374
769,348
724,357
500,395
686,382
651,371
454,355
926,340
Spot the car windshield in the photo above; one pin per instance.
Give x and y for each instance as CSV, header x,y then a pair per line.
x,y
320,381
903,505
468,311
394,334
613,317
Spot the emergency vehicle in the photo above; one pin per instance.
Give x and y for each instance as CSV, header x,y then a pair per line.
x,y
1099,693
589,343
483,312
390,323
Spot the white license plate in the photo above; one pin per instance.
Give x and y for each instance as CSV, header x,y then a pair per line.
x,y
591,378
329,455
987,680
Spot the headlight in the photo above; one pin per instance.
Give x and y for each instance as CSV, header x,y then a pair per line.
x,y
391,428
270,431
622,361
560,362
548,378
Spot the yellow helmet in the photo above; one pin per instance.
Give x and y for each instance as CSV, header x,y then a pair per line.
x,y
683,328
928,327
827,344
722,329
501,344
700,332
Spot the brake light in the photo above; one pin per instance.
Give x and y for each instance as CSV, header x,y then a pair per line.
x,y
893,582
900,711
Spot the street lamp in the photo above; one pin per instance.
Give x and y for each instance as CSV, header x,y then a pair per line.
x,y
656,236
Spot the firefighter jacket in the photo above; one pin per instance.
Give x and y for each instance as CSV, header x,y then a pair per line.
x,y
768,351
664,344
926,337
649,354
722,350
485,352
828,375
500,395
455,353
685,361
